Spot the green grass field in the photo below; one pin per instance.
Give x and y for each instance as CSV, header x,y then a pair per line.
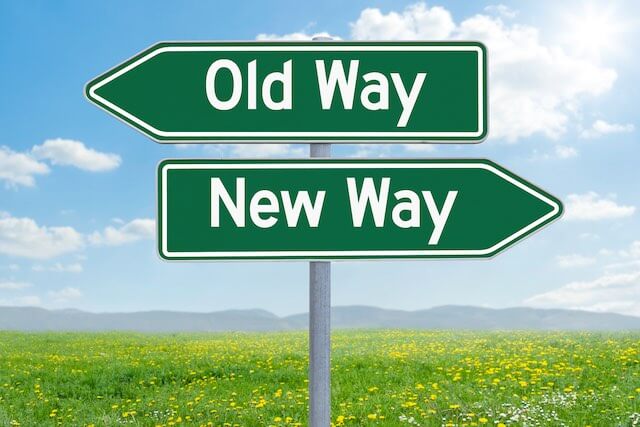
x,y
384,378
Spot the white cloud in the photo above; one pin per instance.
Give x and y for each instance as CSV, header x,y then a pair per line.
x,y
610,292
297,36
19,169
28,300
419,148
633,264
600,127
501,10
574,260
387,150
534,87
593,207
67,268
137,229
416,22
560,152
372,150
256,150
60,268
25,238
633,251
68,152
266,150
14,286
620,278
565,152
65,295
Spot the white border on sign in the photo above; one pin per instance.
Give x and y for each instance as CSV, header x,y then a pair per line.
x,y
337,48
362,253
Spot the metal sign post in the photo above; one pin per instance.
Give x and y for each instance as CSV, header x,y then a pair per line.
x,y
320,330
320,324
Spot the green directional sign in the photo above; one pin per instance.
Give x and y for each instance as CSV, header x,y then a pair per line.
x,y
301,91
344,209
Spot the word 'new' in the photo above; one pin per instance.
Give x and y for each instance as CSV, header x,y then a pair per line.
x,y
265,206
373,96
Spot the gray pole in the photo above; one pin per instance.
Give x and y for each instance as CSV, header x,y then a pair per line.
x,y
320,326
320,330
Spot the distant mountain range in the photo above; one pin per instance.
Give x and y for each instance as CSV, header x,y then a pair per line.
x,y
348,317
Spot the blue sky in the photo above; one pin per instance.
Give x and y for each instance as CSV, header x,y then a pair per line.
x,y
77,192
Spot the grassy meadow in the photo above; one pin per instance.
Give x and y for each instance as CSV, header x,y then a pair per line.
x,y
380,378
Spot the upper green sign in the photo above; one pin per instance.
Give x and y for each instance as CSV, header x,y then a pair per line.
x,y
301,91
344,209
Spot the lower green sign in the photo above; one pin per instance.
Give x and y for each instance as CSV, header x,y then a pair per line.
x,y
344,209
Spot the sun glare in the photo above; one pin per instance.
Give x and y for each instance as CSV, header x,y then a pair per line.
x,y
595,29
